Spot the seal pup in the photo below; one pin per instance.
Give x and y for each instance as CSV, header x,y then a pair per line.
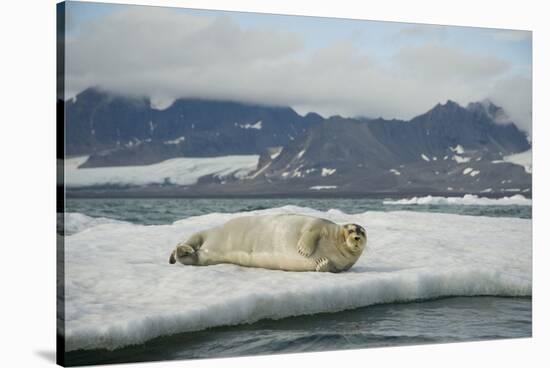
x,y
286,242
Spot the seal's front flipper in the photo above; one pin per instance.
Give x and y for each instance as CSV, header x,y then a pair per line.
x,y
308,242
195,241
173,257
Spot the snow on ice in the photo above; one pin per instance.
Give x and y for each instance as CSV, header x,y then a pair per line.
x,y
120,289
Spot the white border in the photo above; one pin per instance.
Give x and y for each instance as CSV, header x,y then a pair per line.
x,y
28,177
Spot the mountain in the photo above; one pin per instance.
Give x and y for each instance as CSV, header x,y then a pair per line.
x,y
117,130
448,149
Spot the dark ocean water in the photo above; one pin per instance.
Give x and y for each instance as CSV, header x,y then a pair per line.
x,y
164,211
436,321
423,322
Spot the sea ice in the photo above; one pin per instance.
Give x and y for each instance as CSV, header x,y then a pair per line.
x,y
468,199
120,289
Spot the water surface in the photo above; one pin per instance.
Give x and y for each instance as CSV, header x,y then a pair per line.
x,y
436,321
160,211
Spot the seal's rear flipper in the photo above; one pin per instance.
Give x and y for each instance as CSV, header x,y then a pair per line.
x,y
173,257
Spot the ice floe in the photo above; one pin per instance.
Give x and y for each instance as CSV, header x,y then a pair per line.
x,y
120,289
467,199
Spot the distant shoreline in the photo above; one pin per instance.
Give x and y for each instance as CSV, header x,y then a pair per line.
x,y
150,193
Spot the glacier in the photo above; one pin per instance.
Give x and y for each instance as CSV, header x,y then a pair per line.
x,y
178,171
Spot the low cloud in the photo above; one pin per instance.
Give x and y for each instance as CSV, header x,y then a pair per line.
x,y
515,94
164,54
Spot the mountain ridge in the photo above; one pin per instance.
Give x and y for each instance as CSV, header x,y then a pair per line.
x,y
448,148
103,124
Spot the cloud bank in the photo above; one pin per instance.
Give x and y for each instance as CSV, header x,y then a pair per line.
x,y
165,54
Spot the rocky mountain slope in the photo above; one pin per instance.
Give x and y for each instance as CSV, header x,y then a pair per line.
x,y
449,149
117,130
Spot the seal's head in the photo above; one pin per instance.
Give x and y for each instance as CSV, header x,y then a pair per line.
x,y
356,237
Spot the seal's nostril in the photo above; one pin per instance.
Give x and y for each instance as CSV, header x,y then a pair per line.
x,y
357,238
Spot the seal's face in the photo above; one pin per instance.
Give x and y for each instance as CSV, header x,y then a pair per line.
x,y
356,237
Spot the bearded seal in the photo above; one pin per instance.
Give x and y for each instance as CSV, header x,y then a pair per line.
x,y
286,242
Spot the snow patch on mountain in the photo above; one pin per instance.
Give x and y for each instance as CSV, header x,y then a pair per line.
x,y
178,171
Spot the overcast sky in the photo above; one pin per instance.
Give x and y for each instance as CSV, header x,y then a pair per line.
x,y
330,66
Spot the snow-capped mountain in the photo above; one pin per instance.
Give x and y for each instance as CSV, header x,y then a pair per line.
x,y
117,130
449,149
